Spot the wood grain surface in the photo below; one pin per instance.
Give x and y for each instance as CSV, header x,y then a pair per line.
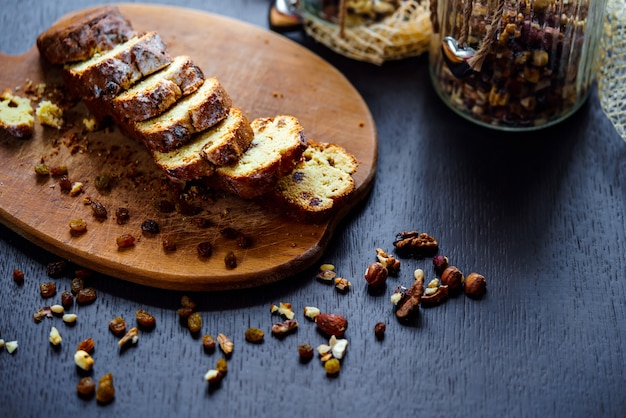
x,y
541,215
266,75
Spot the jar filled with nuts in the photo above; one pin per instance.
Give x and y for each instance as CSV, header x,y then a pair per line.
x,y
515,64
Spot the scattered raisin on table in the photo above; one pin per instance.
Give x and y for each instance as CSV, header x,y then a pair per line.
x,y
48,289
194,322
150,226
99,210
305,351
86,295
230,260
106,391
125,241
86,386
77,284
18,276
67,299
117,325
254,335
145,319
122,215
205,249
56,269
208,342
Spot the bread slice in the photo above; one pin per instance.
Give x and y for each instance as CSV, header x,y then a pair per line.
x,y
319,184
195,113
106,75
84,34
276,148
221,144
16,115
159,91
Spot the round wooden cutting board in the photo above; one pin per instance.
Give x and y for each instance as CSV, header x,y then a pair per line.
x,y
266,75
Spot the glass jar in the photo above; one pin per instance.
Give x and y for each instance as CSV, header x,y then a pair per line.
x,y
515,64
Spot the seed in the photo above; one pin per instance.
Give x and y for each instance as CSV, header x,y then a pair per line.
x,y
18,276
56,269
125,240
83,360
332,366
205,249
230,260
77,284
47,290
86,345
57,309
145,319
67,299
106,391
208,342
306,352
78,225
86,295
379,330
194,322
86,386
254,335
149,226
117,325
122,216
69,318
55,337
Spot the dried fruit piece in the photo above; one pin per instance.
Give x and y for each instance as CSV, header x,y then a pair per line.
x,y
122,216
225,343
117,325
332,366
409,303
194,322
99,211
47,290
169,244
440,263
144,319
208,342
388,260
42,169
415,244
67,299
205,249
230,260
86,386
56,269
221,365
106,391
150,226
475,285
18,276
305,351
83,360
331,324
78,225
86,295
77,284
125,241
379,330
254,335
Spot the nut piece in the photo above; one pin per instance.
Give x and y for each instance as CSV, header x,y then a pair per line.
x,y
388,260
338,347
225,343
69,318
57,309
342,285
311,312
213,376
11,346
435,296
105,392
55,337
453,278
284,309
409,304
475,285
331,324
132,336
376,274
280,329
83,360
415,244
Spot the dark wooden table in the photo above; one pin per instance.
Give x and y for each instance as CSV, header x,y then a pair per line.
x,y
541,215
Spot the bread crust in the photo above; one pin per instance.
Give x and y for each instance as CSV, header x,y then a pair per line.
x,y
81,35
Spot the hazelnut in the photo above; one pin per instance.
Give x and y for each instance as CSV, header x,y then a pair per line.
x,y
376,274
331,324
440,263
452,277
475,285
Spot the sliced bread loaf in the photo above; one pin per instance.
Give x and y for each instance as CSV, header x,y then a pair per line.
x,y
276,148
84,34
195,113
159,91
106,75
319,183
221,144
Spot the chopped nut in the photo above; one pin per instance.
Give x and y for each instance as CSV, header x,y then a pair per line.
x,y
338,347
132,336
86,345
83,360
415,244
391,263
475,285
409,304
225,343
69,318
213,376
435,296
331,324
117,325
11,346
398,295
418,274
324,349
254,335
1,343
342,284
280,329
86,386
42,313
106,391
311,312
433,284
77,188
376,274
144,319
326,273
55,337
284,309
379,330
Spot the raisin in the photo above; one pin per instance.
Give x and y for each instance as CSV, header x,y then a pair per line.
x,y
77,284
194,322
150,226
86,295
65,184
102,183
122,216
105,392
208,342
221,365
254,335
332,366
86,386
56,269
18,276
125,240
42,169
379,330
67,299
230,260
58,171
145,319
99,211
117,325
169,245
205,249
305,351
47,290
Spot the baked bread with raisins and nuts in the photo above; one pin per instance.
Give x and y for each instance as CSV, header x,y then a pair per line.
x,y
80,36
16,115
318,185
